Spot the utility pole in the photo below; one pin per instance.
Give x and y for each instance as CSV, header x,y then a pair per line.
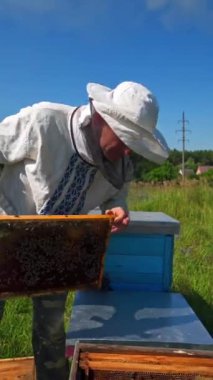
x,y
183,121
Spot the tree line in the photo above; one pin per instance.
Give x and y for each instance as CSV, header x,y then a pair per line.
x,y
145,170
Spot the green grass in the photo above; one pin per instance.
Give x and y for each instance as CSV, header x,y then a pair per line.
x,y
16,326
193,260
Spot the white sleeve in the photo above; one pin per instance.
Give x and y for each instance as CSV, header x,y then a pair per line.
x,y
14,138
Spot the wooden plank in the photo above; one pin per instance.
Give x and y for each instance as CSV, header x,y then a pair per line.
x,y
20,218
144,286
151,363
137,245
150,349
17,369
133,264
131,278
147,358
168,263
141,367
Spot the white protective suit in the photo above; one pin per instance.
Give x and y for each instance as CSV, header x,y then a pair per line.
x,y
42,172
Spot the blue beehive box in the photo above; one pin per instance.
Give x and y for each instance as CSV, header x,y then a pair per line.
x,y
141,257
136,303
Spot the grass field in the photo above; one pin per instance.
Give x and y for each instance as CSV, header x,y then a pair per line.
x,y
193,260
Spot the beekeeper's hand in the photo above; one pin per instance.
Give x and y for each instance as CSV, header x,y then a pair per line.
x,y
121,218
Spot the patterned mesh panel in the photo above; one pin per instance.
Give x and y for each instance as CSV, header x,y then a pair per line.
x,y
116,375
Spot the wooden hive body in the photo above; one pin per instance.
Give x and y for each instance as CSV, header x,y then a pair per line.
x,y
117,362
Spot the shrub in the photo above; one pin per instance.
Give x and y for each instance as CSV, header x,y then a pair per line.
x,y
165,172
207,177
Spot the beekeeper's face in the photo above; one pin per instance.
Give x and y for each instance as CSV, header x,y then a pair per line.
x,y
112,147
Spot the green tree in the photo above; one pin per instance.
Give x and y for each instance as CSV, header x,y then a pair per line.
x,y
165,172
190,164
175,157
141,166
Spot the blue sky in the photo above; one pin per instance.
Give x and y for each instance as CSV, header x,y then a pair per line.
x,y
50,50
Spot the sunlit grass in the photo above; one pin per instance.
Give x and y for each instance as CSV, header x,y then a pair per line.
x,y
193,258
16,326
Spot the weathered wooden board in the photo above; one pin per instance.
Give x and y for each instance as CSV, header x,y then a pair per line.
x,y
17,369
42,254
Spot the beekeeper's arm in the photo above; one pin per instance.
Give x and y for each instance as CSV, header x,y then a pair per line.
x,y
117,206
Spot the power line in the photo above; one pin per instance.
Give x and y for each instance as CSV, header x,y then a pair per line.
x,y
183,130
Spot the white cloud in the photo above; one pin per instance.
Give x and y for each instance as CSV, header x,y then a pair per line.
x,y
58,13
154,5
191,13
81,14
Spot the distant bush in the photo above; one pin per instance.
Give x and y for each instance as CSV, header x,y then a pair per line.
x,y
165,172
207,177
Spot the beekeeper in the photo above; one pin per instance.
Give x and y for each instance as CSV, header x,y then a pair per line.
x,y
59,159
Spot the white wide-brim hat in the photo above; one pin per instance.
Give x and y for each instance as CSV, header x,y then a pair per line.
x,y
131,110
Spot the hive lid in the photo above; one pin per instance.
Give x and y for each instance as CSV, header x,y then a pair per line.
x,y
45,254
